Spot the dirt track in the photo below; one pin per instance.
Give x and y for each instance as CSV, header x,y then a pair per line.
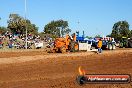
x,y
37,69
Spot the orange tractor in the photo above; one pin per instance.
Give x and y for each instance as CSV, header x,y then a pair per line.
x,y
65,44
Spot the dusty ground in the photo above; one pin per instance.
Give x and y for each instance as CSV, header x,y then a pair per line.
x,y
37,69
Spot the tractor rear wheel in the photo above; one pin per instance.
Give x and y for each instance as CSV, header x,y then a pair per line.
x,y
130,44
76,46
63,50
121,45
72,46
53,51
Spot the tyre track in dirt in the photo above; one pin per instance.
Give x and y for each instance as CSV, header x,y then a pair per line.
x,y
60,70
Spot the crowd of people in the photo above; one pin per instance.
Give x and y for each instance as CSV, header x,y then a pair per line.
x,y
9,40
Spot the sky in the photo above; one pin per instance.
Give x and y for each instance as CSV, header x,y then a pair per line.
x,y
91,16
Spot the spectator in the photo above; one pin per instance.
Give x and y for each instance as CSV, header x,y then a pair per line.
x,y
1,45
99,46
10,43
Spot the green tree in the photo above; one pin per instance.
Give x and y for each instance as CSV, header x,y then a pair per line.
x,y
120,29
89,37
130,34
108,35
17,25
98,36
57,28
3,30
32,29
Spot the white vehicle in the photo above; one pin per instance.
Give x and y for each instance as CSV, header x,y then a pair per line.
x,y
85,46
39,45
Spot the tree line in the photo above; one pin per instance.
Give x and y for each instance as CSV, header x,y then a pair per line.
x,y
121,29
17,25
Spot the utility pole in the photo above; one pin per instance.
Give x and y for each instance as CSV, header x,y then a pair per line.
x,y
26,22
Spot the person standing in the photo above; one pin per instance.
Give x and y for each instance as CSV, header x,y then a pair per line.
x,y
99,46
1,44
